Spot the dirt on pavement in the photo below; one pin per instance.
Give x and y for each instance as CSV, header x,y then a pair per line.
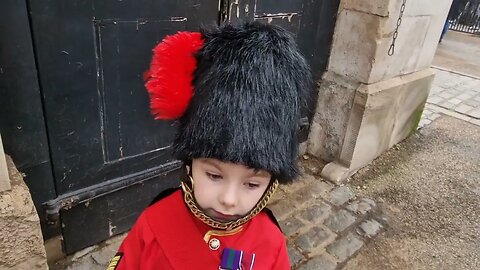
x,y
428,192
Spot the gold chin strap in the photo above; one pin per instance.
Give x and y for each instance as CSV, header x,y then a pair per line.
x,y
191,203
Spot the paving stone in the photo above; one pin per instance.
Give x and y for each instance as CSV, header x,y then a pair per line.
x,y
340,195
304,195
477,98
434,116
340,220
447,105
475,113
291,225
435,99
445,95
369,228
475,121
321,187
455,101
316,213
462,108
472,102
427,112
282,208
423,122
453,91
295,256
104,255
83,252
464,96
315,237
362,206
321,262
345,247
472,93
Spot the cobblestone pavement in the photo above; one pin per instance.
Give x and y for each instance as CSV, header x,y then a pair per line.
x,y
455,95
325,225
328,224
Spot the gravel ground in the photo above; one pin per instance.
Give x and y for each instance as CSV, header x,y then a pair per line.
x,y
428,192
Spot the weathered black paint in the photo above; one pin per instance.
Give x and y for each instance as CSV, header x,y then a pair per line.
x,y
22,122
82,128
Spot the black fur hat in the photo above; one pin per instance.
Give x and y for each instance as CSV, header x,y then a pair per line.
x,y
249,84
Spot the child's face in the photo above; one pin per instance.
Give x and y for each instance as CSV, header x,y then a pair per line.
x,y
227,191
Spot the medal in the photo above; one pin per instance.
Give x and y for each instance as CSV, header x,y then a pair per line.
x,y
236,260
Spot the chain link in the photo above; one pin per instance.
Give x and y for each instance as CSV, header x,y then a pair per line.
x,y
391,50
190,201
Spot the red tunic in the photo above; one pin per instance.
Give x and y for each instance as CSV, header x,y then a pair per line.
x,y
168,236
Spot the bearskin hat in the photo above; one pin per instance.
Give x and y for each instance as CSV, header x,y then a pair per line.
x,y
245,86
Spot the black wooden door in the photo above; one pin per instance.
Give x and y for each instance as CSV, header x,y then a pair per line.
x,y
109,158
105,146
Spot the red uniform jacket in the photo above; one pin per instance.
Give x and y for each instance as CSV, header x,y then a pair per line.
x,y
167,236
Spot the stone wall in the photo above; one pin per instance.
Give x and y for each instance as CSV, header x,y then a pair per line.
x,y
368,100
21,242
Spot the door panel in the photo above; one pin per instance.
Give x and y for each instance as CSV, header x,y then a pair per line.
x,y
91,56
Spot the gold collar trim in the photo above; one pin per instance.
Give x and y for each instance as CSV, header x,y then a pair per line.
x,y
230,225
211,233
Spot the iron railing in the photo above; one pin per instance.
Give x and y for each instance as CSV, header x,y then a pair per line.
x,y
464,16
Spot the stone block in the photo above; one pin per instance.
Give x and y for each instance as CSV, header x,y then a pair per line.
x,y
21,241
408,47
438,13
436,99
316,237
291,225
464,109
422,8
382,115
475,113
321,262
409,103
340,220
282,208
316,138
4,178
335,100
303,195
364,33
376,7
355,44
295,256
321,187
345,247
369,228
361,206
316,213
340,195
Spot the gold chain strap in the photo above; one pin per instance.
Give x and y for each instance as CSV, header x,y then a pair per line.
x,y
190,201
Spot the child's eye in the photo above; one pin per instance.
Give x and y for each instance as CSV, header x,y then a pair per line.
x,y
252,185
214,176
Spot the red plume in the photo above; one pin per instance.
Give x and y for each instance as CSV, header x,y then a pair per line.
x,y
169,79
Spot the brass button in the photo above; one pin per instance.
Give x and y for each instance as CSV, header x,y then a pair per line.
x,y
214,244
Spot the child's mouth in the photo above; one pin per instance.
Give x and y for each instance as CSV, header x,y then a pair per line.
x,y
223,217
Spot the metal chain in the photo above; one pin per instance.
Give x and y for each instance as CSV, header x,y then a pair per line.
x,y
190,201
391,50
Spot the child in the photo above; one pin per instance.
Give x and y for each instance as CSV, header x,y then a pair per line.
x,y
237,93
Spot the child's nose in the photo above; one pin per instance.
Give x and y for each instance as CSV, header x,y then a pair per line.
x,y
229,197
